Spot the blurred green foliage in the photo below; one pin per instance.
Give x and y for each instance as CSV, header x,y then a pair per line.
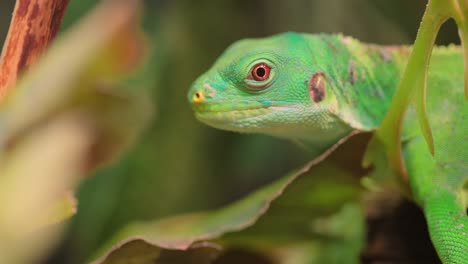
x,y
180,165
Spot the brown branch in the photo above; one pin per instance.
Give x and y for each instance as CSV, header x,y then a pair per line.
x,y
34,24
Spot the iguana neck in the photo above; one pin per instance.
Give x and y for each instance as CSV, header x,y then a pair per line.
x,y
364,78
373,75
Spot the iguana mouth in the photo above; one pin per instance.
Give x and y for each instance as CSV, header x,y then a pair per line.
x,y
240,116
231,106
233,111
247,119
230,115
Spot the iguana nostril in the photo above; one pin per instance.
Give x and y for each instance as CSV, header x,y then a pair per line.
x,y
198,97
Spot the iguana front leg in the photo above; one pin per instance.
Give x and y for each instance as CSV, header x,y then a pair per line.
x,y
439,190
439,183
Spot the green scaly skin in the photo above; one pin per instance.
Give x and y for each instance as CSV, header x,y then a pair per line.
x,y
322,87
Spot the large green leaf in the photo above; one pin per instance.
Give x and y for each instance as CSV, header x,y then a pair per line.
x,y
318,202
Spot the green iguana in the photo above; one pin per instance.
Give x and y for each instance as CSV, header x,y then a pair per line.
x,y
317,89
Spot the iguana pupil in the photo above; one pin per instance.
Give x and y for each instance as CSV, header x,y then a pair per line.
x,y
261,72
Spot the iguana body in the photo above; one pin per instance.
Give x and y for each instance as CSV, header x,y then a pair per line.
x,y
316,89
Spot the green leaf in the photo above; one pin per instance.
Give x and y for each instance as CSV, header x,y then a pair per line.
x,y
37,171
301,207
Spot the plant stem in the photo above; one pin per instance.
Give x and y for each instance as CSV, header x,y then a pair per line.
x,y
34,24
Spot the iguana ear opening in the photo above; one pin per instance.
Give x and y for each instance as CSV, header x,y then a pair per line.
x,y
317,86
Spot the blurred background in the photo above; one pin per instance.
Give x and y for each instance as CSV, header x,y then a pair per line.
x,y
180,165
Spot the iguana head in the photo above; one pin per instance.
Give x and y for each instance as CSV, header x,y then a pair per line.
x,y
285,85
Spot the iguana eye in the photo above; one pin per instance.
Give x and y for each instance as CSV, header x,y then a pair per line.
x,y
260,75
260,72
